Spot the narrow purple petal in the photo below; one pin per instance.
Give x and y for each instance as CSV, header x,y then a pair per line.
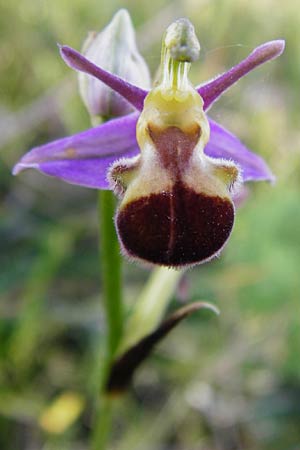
x,y
131,93
85,157
223,144
211,90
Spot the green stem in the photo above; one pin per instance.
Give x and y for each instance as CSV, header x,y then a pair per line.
x,y
111,271
103,424
112,300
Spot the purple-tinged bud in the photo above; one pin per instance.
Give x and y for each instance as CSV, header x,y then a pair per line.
x,y
113,49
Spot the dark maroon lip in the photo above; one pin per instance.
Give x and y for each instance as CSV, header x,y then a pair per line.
x,y
177,228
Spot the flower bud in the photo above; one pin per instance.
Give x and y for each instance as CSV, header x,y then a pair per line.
x,y
113,49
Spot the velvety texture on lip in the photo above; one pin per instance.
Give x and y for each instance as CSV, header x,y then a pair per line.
x,y
186,227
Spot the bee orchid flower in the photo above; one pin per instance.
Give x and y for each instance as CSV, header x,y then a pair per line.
x,y
174,169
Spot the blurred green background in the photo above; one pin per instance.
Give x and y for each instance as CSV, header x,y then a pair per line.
x,y
225,383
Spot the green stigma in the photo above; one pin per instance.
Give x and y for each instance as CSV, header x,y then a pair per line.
x,y
180,47
180,39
